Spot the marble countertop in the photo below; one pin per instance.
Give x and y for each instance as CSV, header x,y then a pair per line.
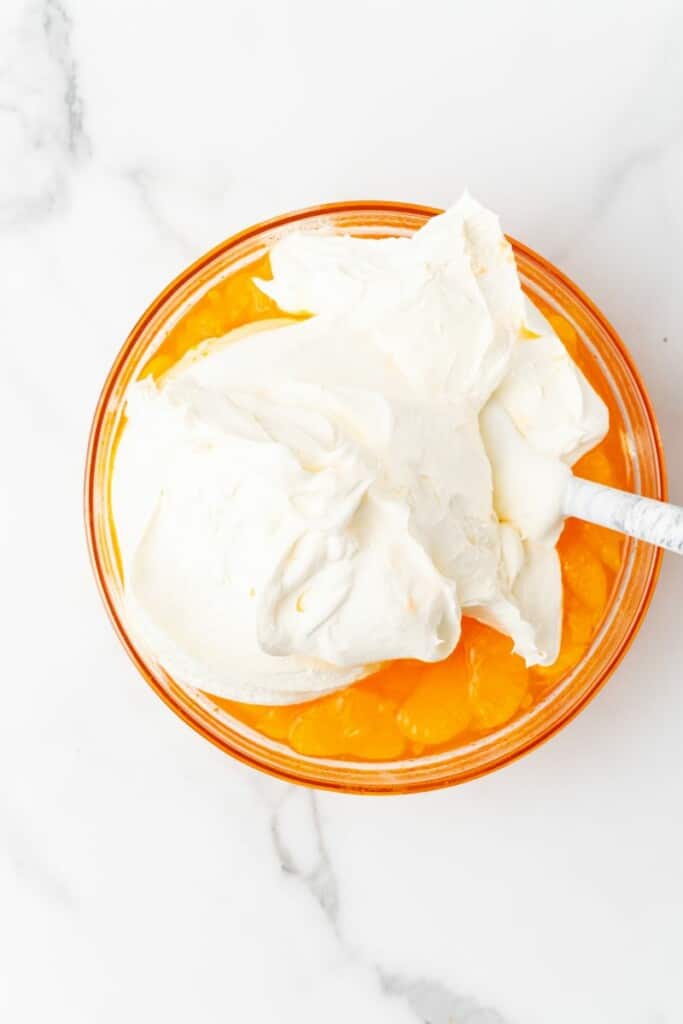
x,y
143,875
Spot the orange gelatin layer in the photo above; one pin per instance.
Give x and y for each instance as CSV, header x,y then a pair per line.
x,y
409,708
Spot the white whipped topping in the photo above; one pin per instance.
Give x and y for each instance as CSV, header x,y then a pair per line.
x,y
314,498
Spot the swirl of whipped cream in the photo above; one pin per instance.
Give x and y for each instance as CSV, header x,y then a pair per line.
x,y
298,505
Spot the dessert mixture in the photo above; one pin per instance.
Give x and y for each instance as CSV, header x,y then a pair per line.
x,y
340,482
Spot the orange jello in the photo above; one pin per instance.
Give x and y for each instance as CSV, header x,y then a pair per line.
x,y
409,708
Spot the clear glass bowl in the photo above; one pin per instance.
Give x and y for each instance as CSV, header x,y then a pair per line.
x,y
631,595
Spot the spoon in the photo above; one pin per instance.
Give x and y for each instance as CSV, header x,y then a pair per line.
x,y
657,522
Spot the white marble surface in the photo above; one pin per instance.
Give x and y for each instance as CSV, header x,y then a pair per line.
x,y
144,876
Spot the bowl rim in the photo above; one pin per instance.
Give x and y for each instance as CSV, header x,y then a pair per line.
x,y
401,786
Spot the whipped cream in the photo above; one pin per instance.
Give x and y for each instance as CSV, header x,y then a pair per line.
x,y
298,504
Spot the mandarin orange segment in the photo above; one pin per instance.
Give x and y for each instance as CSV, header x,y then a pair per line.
x,y
383,742
596,465
498,679
439,708
475,633
271,721
584,575
497,689
397,680
547,675
607,545
317,730
276,722
580,623
577,630
352,723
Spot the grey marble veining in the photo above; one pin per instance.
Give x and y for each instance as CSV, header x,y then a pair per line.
x,y
308,862
58,27
41,112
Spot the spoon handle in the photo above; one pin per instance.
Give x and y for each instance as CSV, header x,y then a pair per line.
x,y
657,522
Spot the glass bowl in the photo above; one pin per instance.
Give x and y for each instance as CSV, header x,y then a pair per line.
x,y
630,597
